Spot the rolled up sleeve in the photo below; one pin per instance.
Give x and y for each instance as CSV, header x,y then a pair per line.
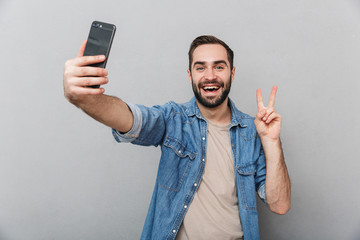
x,y
134,132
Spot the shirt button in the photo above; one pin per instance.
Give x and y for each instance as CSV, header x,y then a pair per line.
x,y
203,138
185,206
179,151
203,159
195,184
174,231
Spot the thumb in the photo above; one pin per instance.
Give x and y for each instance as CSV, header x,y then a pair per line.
x,y
82,49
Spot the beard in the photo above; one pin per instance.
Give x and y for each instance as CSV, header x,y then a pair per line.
x,y
211,102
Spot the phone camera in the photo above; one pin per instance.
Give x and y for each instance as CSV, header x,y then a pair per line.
x,y
96,25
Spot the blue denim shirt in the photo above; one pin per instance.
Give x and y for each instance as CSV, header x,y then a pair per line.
x,y
181,132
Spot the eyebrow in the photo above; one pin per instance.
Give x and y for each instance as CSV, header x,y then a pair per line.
x,y
215,62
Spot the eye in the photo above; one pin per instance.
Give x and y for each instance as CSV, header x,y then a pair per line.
x,y
219,67
200,68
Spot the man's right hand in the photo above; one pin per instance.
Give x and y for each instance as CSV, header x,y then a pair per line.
x,y
78,77
108,110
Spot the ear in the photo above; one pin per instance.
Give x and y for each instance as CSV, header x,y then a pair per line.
x,y
189,75
233,74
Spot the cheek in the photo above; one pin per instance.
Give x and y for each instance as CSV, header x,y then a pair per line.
x,y
195,78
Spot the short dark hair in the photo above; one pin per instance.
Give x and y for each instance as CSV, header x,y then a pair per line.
x,y
208,39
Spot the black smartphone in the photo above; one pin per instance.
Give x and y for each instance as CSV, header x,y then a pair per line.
x,y
99,42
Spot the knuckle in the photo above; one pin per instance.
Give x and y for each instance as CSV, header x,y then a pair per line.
x,y
66,82
67,73
96,58
70,93
69,85
88,60
85,81
83,71
101,72
97,72
67,63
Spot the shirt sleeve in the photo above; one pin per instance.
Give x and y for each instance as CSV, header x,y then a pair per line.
x,y
261,173
149,125
135,129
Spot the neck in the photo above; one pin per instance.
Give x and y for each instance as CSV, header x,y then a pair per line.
x,y
220,115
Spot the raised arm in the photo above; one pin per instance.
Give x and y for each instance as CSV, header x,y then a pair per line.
x,y
108,110
277,183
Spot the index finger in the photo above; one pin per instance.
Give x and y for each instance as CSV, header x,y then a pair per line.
x,y
272,96
259,99
86,60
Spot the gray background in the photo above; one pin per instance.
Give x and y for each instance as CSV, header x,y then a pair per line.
x,y
62,176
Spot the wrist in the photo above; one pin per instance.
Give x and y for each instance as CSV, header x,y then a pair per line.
x,y
84,102
270,143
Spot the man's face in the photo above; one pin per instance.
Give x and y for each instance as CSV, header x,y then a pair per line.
x,y
211,75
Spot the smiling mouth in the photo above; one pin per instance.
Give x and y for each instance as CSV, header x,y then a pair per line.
x,y
210,88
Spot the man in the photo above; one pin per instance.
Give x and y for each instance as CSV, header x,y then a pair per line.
x,y
214,157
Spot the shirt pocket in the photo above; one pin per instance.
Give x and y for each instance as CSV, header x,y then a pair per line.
x,y
246,181
174,164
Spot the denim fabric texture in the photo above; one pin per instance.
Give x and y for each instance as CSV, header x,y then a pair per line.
x,y
181,132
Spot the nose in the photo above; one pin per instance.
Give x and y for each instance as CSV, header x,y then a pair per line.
x,y
210,74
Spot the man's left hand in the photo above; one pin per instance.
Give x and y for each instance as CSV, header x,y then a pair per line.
x,y
267,120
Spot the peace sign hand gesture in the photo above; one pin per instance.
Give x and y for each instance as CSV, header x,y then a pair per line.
x,y
267,120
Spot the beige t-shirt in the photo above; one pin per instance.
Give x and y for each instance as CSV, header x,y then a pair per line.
x,y
214,211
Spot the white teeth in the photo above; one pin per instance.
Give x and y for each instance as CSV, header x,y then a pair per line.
x,y
211,88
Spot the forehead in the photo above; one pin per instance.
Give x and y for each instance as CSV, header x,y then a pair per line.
x,y
210,53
